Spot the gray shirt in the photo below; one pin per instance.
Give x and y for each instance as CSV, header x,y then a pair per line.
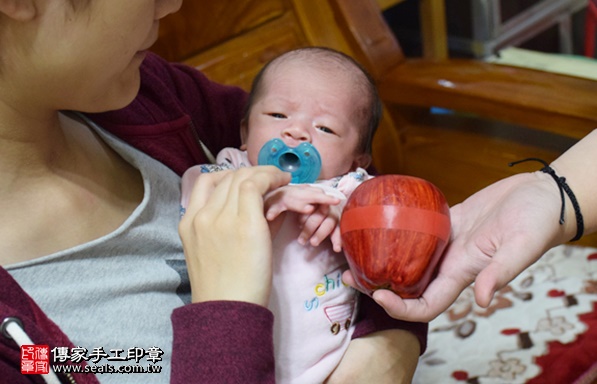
x,y
118,292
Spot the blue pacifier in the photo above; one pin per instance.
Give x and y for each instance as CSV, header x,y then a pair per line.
x,y
303,161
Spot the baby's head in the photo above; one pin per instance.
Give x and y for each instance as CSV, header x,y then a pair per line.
x,y
316,95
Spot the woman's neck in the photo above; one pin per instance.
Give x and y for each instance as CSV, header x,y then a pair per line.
x,y
31,144
61,186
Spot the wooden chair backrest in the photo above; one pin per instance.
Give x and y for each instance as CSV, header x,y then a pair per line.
x,y
230,40
233,38
432,19
374,45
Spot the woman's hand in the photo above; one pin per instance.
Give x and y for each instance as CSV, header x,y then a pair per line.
x,y
225,235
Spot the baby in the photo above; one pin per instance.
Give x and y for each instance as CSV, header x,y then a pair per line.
x,y
323,97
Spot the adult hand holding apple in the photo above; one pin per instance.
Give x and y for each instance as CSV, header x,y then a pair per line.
x,y
394,230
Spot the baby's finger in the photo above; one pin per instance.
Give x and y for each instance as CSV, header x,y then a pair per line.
x,y
336,239
306,204
312,222
274,210
323,231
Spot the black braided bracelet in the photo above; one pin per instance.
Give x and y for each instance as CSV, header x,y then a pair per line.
x,y
563,186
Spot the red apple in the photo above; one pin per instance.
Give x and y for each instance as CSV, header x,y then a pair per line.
x,y
394,231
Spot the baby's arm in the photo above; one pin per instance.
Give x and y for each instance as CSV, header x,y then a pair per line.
x,y
319,211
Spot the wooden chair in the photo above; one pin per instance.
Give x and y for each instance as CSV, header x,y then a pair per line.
x,y
504,113
434,34
590,28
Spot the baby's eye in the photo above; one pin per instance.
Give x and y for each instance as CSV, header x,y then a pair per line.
x,y
277,115
325,129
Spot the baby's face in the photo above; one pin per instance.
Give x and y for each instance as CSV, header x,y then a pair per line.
x,y
303,104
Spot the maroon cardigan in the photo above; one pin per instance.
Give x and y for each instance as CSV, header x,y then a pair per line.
x,y
214,342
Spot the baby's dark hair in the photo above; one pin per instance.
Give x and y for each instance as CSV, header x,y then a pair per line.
x,y
371,113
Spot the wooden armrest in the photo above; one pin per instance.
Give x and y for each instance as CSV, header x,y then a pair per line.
x,y
560,104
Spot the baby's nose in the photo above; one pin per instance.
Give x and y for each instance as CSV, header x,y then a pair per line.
x,y
298,132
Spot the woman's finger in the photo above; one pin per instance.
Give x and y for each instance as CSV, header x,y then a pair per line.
x,y
203,190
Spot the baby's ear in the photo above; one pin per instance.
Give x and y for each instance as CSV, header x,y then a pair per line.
x,y
362,161
20,10
244,132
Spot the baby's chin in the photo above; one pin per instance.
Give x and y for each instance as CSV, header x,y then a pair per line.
x,y
330,174
327,173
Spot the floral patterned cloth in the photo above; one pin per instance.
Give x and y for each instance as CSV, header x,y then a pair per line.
x,y
541,328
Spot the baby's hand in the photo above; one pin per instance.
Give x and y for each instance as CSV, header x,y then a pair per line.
x,y
318,214
320,224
